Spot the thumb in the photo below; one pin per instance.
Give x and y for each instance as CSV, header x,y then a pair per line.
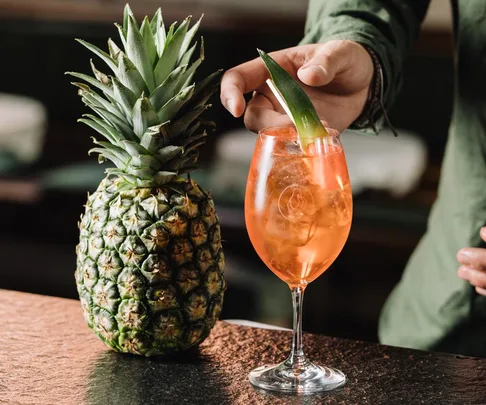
x,y
325,62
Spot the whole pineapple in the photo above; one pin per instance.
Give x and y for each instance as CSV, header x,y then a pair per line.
x,y
149,259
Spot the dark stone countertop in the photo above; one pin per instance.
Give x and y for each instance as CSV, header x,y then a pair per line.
x,y
49,356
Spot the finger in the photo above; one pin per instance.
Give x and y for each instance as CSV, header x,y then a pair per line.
x,y
473,257
248,77
260,113
475,277
482,233
232,91
481,291
240,80
325,62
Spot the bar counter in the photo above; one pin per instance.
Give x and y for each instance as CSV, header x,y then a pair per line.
x,y
49,356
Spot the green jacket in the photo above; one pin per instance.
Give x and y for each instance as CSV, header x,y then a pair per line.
x,y
431,308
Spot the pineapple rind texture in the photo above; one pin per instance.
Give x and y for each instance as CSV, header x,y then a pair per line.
x,y
143,286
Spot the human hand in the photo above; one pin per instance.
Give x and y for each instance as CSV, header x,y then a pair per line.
x,y
473,265
336,76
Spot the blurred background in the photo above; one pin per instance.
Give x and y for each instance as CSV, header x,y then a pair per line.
x,y
45,171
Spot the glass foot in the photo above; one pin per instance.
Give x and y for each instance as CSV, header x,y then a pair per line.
x,y
301,380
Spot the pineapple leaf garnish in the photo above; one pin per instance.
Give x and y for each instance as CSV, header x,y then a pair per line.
x,y
301,109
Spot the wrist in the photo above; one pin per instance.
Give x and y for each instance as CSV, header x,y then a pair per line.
x,y
374,105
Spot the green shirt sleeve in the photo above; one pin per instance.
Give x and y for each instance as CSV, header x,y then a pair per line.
x,y
388,27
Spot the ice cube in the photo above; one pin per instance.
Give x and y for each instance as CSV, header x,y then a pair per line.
x,y
292,218
287,171
336,209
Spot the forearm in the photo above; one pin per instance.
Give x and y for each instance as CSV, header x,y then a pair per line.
x,y
388,27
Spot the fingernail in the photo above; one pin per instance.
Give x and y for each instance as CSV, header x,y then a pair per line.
x,y
230,104
465,256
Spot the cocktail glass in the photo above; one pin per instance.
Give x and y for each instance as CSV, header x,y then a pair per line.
x,y
298,211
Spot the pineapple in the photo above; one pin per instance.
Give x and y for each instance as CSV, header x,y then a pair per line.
x,y
149,260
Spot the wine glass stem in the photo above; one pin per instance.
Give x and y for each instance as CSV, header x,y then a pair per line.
x,y
297,359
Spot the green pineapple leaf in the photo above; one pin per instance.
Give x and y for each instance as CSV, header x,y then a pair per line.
x,y
129,75
302,110
188,38
168,153
99,75
179,126
133,148
102,54
168,88
117,155
213,79
189,73
144,173
156,20
113,49
117,135
162,177
144,116
168,111
138,54
187,143
95,99
195,145
169,34
154,137
148,40
124,97
95,83
188,55
116,122
127,14
144,162
170,55
189,132
160,38
108,135
122,34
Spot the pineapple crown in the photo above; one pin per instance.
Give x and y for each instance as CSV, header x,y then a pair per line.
x,y
149,109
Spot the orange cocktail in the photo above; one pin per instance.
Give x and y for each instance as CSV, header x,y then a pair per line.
x,y
298,204
298,211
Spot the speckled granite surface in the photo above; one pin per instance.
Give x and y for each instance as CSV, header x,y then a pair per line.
x,y
49,356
